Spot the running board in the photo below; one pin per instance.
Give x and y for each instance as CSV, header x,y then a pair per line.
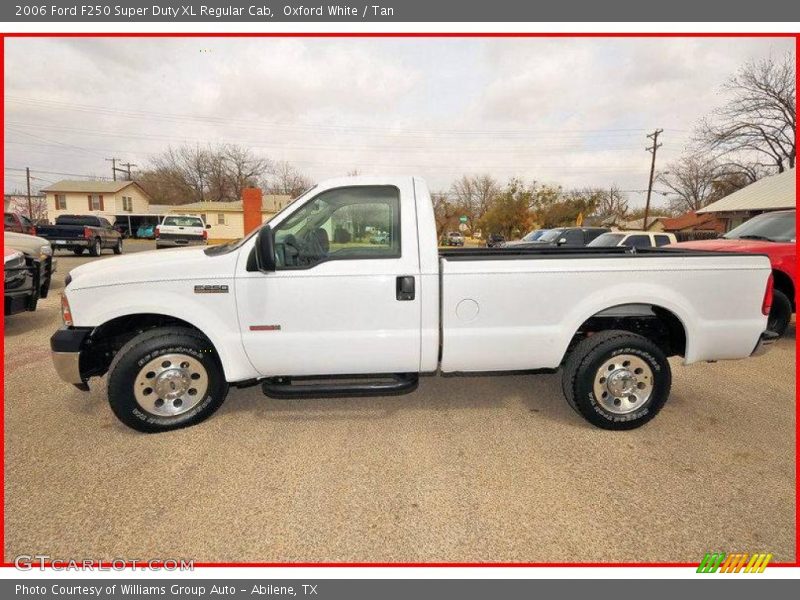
x,y
340,386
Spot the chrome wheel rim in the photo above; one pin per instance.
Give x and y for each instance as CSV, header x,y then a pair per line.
x,y
623,384
171,385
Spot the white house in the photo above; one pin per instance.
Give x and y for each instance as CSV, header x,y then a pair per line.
x,y
109,199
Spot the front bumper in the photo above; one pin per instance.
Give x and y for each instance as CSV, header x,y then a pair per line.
x,y
65,346
766,339
22,287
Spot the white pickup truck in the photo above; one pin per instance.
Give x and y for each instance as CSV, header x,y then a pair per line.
x,y
315,304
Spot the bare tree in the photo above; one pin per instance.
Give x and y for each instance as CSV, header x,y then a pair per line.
x,y
760,117
609,203
474,194
194,174
444,211
244,168
691,182
284,178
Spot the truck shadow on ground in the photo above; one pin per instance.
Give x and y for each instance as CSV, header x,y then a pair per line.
x,y
539,395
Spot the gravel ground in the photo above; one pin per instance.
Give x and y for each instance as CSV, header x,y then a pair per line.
x,y
464,469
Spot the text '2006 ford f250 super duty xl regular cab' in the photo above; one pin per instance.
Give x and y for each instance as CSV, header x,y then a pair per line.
x,y
310,305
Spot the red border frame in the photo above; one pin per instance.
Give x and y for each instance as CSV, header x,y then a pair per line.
x,y
3,36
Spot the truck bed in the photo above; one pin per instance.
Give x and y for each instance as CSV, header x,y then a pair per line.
x,y
513,308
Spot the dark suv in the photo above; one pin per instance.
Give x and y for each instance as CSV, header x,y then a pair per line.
x,y
565,236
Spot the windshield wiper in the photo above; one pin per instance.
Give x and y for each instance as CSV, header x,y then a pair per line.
x,y
752,236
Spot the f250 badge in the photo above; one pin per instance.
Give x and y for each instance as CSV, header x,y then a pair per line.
x,y
211,289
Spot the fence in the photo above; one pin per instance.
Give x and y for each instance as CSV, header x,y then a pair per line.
x,y
690,236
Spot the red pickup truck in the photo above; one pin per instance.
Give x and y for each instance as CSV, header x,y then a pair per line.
x,y
772,234
18,224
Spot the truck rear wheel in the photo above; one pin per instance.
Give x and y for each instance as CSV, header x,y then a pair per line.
x,y
617,379
780,315
96,248
164,379
118,247
77,251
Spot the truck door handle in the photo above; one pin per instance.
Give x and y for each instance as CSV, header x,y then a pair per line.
x,y
405,288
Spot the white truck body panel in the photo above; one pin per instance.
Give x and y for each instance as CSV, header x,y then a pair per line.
x,y
521,314
497,314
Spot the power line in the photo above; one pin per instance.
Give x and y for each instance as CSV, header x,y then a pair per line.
x,y
253,124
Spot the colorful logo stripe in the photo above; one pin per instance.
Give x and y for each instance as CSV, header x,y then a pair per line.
x,y
734,563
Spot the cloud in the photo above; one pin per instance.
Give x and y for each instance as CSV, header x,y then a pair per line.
x,y
571,111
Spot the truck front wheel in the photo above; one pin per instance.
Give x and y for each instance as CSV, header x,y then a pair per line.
x,y
617,379
164,379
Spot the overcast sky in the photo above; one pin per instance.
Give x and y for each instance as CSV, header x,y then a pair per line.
x,y
567,111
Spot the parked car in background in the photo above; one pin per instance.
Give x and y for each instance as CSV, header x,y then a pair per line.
x,y
380,238
633,239
773,234
181,230
40,253
285,309
146,232
21,282
529,237
82,232
495,240
571,237
454,238
18,224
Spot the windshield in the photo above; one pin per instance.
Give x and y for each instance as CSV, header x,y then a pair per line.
x,y
606,240
550,235
234,245
770,227
183,221
534,235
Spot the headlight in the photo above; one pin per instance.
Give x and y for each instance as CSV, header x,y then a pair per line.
x,y
46,250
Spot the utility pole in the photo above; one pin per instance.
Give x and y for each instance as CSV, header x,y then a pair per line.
x,y
128,166
28,181
113,162
652,149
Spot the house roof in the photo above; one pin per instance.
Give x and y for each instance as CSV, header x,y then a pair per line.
x,y
691,220
268,203
91,186
770,193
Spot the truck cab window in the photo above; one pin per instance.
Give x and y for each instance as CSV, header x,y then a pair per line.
x,y
350,223
638,241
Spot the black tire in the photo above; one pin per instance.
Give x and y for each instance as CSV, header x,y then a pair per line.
x,y
118,247
96,248
582,370
780,315
134,356
77,251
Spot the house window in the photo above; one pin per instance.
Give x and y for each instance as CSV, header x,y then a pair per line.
x,y
95,202
61,202
127,204
220,218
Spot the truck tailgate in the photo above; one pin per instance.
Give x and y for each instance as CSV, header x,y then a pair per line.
x,y
518,311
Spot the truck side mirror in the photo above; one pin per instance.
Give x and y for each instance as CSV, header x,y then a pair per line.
x,y
562,241
265,250
208,225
